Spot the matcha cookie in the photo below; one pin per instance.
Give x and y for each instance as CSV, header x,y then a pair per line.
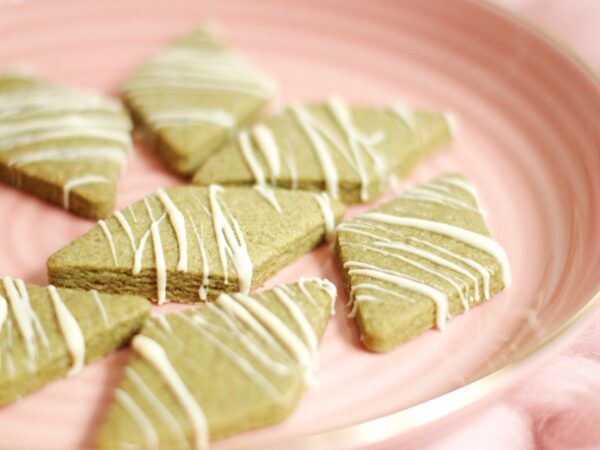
x,y
418,260
190,243
237,364
352,152
47,333
62,145
189,98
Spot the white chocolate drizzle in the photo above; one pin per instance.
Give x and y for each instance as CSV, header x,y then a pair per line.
x,y
178,222
359,144
80,181
158,406
292,168
159,255
166,86
460,286
101,308
300,350
335,138
154,354
65,154
186,116
324,203
196,69
109,238
355,147
261,185
71,331
304,119
460,272
203,289
268,146
266,343
138,250
405,115
468,237
202,326
239,312
230,241
483,272
310,338
247,340
41,122
139,417
428,193
327,286
22,317
396,278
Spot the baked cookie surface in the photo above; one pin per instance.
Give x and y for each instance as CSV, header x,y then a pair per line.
x,y
190,243
188,99
63,145
414,262
351,152
228,366
47,333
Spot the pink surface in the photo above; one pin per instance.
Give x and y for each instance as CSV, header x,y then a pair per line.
x,y
527,139
558,407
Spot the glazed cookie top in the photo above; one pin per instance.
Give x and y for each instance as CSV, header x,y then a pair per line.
x,y
224,367
50,329
65,145
222,238
352,152
192,94
428,252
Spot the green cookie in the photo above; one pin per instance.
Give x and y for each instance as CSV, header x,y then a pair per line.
x,y
188,99
47,333
352,152
190,243
418,260
219,369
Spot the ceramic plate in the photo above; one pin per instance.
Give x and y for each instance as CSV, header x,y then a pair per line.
x,y
528,138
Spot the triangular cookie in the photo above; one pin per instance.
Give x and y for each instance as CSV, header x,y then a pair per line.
x,y
47,333
419,259
352,152
225,367
189,97
188,243
62,145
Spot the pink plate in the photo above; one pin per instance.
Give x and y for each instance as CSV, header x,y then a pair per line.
x,y
528,138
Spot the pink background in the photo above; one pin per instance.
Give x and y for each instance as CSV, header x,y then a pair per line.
x,y
558,407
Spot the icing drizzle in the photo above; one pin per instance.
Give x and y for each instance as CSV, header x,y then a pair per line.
x,y
324,203
266,343
230,241
460,272
271,154
178,221
231,246
31,329
80,181
333,138
70,330
468,237
40,122
154,354
190,67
